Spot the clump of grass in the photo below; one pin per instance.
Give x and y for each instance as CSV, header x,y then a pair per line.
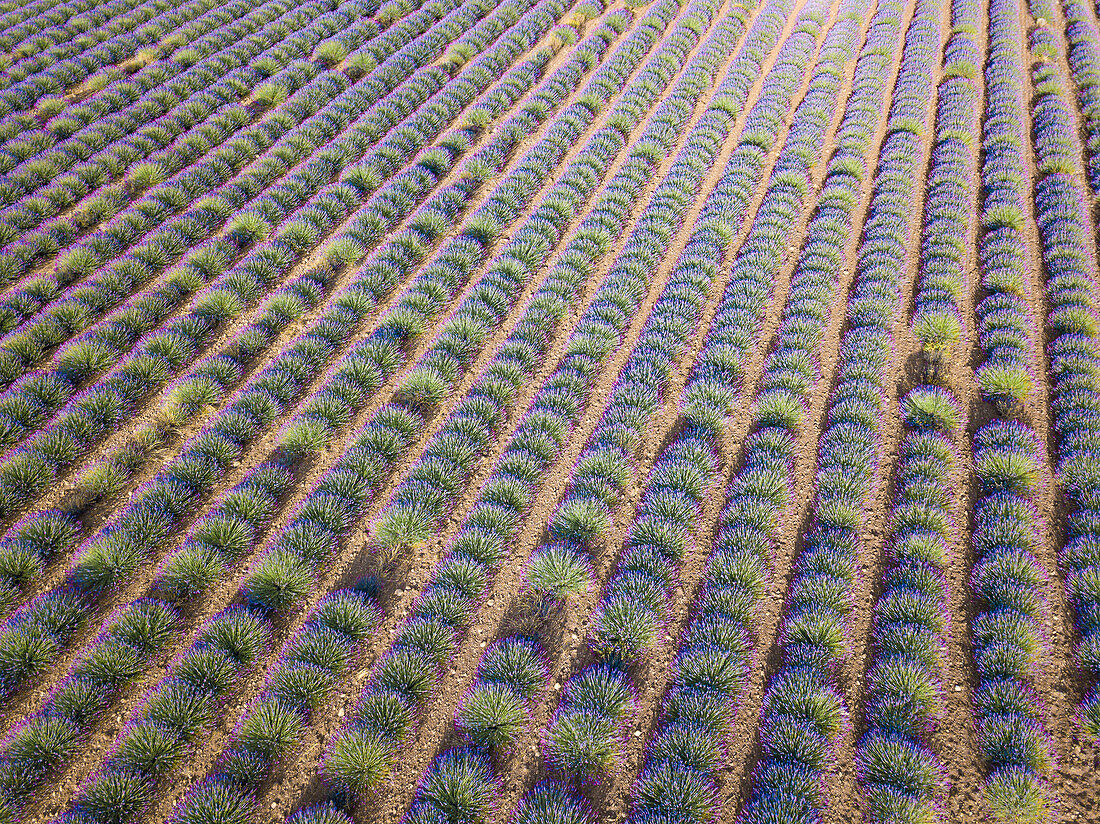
x,y
938,332
1016,796
551,803
358,762
458,786
581,520
402,527
1007,387
558,572
929,407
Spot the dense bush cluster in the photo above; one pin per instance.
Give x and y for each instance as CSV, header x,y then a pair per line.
x,y
1007,582
1005,329
171,720
460,785
948,208
134,638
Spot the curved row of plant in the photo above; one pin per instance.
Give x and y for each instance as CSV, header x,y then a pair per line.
x,y
256,404
45,74
803,712
237,519
21,22
219,373
626,629
110,163
1084,64
121,106
1069,268
684,758
1007,580
677,780
903,689
1005,330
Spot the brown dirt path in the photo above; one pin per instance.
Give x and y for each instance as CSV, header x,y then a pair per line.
x,y
955,739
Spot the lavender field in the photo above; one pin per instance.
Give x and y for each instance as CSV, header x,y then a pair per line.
x,y
549,411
